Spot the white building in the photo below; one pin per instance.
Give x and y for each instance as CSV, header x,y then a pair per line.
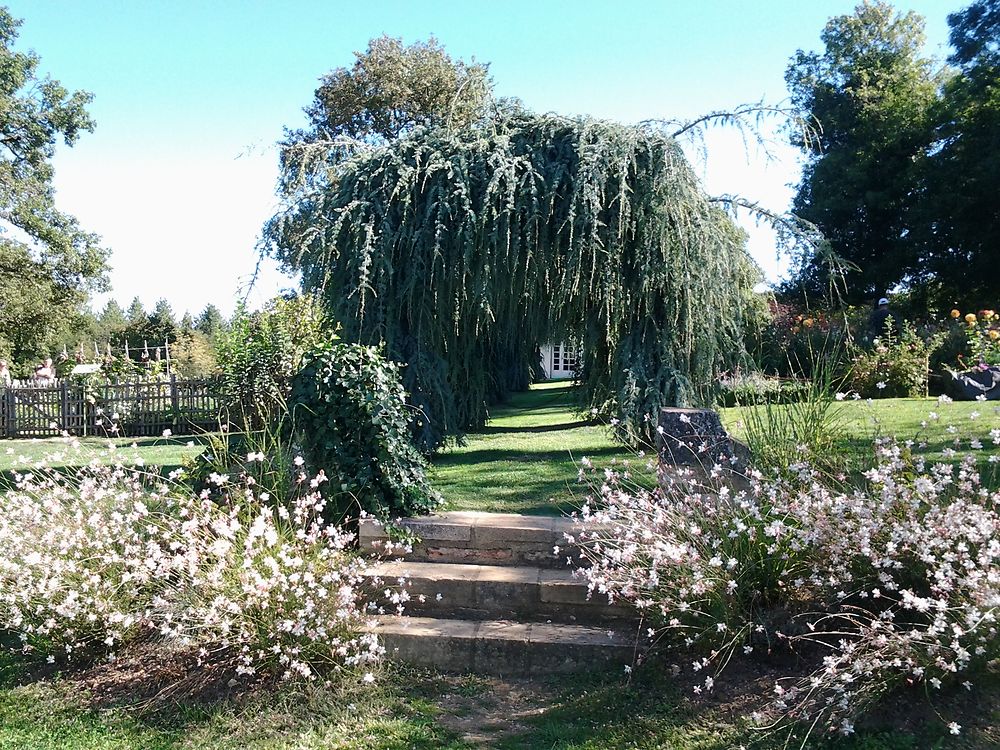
x,y
559,360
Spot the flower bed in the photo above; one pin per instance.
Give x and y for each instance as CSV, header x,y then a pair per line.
x,y
110,554
893,581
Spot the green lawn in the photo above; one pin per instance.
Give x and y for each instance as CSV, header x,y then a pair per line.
x,y
860,422
416,710
527,459
168,453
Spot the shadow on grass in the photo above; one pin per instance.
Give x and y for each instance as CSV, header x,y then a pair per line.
x,y
483,455
538,428
422,709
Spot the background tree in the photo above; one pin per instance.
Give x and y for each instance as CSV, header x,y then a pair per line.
x,y
390,89
161,325
959,216
111,324
211,322
136,314
135,328
873,93
49,264
192,355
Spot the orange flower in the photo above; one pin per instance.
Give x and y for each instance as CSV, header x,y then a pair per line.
x,y
970,318
994,334
795,329
808,322
955,313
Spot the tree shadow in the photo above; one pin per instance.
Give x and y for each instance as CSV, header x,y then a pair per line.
x,y
538,428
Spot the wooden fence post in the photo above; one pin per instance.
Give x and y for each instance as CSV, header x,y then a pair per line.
x,y
10,413
174,401
63,404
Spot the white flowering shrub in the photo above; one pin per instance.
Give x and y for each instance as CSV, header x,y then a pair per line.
x,y
893,580
78,559
112,553
704,564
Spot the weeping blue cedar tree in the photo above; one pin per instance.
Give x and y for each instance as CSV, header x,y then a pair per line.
x,y
461,250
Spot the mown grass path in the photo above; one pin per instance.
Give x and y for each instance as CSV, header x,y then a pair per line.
x,y
527,459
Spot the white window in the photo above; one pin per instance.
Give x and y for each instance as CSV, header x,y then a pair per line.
x,y
563,358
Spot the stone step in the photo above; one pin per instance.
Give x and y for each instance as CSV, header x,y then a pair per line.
x,y
480,538
489,592
498,647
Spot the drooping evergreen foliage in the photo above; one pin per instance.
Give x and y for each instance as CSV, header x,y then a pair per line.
x,y
462,251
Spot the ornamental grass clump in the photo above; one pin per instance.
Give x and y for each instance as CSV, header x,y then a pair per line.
x,y
111,553
894,581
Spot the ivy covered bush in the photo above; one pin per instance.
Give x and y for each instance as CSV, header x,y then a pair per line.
x,y
350,418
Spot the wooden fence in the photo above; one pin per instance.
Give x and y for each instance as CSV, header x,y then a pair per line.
x,y
130,409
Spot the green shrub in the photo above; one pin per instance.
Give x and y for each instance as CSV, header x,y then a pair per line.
x,y
895,366
744,389
261,352
783,434
264,459
351,419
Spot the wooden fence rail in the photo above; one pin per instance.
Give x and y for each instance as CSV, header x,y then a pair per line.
x,y
130,409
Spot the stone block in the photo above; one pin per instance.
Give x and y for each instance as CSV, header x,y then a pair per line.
x,y
491,536
562,587
507,596
696,437
569,648
448,645
502,648
431,530
467,555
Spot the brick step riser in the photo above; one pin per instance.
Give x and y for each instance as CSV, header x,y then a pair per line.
x,y
525,542
511,649
512,555
494,600
566,614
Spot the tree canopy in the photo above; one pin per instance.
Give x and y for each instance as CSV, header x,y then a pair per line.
x,y
872,92
958,224
390,89
904,177
48,263
462,250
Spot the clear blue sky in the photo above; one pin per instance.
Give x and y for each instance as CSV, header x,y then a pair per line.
x,y
191,96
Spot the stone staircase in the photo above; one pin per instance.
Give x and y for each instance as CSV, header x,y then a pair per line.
x,y
490,595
